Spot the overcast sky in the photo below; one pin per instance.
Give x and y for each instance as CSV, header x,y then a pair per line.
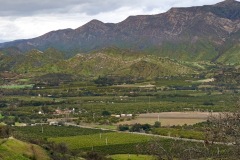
x,y
21,19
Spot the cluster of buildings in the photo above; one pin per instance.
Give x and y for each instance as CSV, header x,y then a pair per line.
x,y
123,115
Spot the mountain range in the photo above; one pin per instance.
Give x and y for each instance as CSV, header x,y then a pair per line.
x,y
203,33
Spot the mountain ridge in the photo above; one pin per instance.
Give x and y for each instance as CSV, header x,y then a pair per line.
x,y
212,24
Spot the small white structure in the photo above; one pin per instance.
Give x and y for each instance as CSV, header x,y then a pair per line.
x,y
126,115
73,110
53,123
129,115
123,115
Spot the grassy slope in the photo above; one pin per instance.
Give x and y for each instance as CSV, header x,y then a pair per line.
x,y
103,62
123,62
14,149
231,56
38,61
200,51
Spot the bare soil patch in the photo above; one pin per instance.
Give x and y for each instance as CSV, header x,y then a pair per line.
x,y
171,118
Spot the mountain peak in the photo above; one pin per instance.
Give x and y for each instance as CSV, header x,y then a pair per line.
x,y
94,23
227,3
227,9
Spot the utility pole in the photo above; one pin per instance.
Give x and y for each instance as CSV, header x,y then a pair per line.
x,y
148,101
106,141
42,127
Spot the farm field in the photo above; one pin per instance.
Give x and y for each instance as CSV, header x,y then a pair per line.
x,y
46,131
171,118
111,143
173,132
164,121
83,139
132,157
16,86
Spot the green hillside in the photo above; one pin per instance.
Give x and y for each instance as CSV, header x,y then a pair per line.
x,y
36,60
231,56
199,51
110,61
14,149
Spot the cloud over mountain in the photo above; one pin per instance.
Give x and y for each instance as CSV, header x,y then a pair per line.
x,y
21,19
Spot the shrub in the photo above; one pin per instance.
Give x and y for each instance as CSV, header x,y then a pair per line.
x,y
123,127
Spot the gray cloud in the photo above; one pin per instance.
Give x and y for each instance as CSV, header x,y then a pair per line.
x,y
90,7
36,7
33,7
30,18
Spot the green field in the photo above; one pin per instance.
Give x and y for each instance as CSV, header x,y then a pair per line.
x,y
82,139
107,142
35,132
131,157
16,86
190,134
85,141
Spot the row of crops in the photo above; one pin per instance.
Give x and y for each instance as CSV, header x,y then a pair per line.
x,y
84,139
